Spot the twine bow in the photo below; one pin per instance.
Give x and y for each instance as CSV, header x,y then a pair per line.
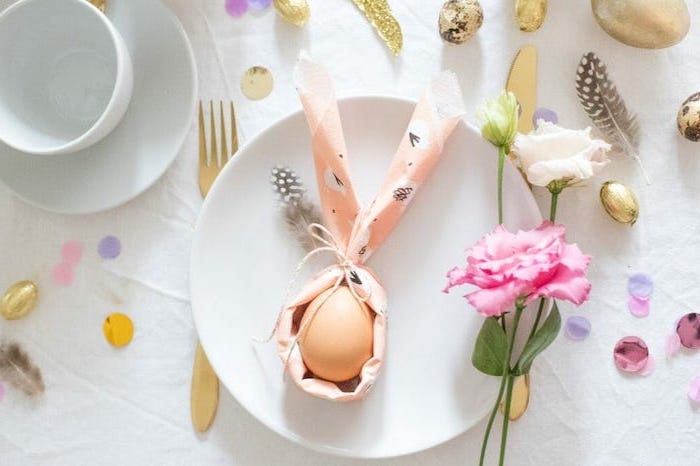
x,y
350,276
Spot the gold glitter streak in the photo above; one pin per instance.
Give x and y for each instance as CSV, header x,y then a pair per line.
x,y
379,15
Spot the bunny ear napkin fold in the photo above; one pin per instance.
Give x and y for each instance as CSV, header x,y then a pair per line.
x,y
352,232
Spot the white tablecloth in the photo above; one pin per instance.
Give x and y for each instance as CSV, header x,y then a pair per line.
x,y
104,406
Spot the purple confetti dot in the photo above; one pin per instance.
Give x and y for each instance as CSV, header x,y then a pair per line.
x,y
639,307
236,7
544,114
577,327
109,248
259,4
640,285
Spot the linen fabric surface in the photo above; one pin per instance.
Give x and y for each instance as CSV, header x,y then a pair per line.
x,y
107,406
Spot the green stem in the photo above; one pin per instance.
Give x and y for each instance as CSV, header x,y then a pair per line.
x,y
553,207
492,417
552,218
501,162
509,379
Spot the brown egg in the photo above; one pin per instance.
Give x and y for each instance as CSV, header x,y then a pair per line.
x,y
338,340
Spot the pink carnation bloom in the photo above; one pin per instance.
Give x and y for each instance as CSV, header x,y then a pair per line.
x,y
529,264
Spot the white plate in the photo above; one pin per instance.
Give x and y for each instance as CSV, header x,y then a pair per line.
x,y
243,257
147,140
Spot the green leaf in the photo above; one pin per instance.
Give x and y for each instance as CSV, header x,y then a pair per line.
x,y
490,348
539,341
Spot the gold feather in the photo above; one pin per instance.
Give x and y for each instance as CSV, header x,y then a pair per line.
x,y
17,369
606,107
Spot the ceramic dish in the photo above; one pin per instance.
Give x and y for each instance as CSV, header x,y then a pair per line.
x,y
243,257
147,140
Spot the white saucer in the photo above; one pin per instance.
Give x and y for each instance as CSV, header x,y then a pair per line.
x,y
243,257
147,140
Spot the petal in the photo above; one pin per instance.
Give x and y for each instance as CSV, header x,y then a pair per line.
x,y
495,301
455,277
568,285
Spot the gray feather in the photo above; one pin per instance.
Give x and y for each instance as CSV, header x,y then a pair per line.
x,y
606,107
18,370
299,212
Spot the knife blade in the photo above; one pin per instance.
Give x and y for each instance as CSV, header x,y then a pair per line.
x,y
522,81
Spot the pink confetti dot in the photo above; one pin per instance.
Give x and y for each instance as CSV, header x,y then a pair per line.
x,y
639,307
63,274
694,389
236,7
649,367
2,392
72,252
673,344
631,354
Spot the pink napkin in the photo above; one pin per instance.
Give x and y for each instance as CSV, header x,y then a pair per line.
x,y
359,231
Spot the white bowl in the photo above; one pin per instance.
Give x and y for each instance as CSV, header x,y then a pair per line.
x,y
65,76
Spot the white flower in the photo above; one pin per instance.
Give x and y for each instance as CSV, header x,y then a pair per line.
x,y
552,153
499,119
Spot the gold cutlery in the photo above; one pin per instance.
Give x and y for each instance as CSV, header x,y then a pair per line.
x,y
522,81
204,394
100,4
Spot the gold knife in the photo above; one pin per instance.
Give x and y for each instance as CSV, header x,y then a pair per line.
x,y
522,81
204,396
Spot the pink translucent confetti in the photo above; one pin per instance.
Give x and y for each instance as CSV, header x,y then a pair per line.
x,y
72,252
673,344
631,354
639,307
648,369
694,389
2,391
63,274
236,7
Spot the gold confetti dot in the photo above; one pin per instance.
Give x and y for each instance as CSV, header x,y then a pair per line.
x,y
118,329
19,300
256,83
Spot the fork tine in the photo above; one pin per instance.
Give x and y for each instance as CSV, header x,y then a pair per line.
x,y
202,138
234,131
224,149
214,153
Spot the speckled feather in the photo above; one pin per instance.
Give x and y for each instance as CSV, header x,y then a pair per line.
x,y
299,212
605,106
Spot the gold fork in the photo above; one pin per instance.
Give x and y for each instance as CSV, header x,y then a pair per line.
x,y
204,394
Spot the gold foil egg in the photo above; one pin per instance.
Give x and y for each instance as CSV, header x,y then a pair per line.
x,y
689,118
649,24
295,12
337,335
19,300
459,20
530,14
619,202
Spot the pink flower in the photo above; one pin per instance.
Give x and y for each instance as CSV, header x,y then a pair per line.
x,y
527,264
